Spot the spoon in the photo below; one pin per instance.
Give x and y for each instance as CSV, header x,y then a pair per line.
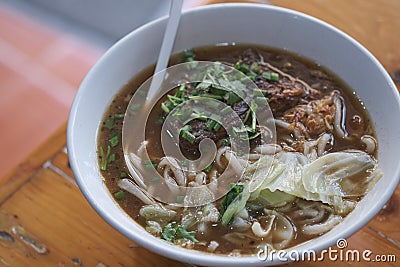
x,y
166,47
134,118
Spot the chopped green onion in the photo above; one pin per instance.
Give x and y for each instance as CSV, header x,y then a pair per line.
x,y
106,157
210,124
253,121
114,141
101,151
254,67
123,175
175,100
217,126
231,98
109,123
108,151
246,117
189,54
242,67
103,162
111,158
198,115
187,128
119,116
274,77
217,90
203,86
225,142
245,132
266,75
164,107
115,133
188,136
218,97
270,76
253,107
246,70
251,137
258,92
252,76
119,195
201,117
180,93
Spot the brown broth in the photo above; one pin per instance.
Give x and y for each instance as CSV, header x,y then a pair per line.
x,y
300,67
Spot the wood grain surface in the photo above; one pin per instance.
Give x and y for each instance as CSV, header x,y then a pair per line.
x,y
45,220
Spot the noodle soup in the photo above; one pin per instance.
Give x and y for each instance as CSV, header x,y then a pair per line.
x,y
301,186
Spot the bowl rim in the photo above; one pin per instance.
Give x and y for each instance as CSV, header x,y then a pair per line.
x,y
194,256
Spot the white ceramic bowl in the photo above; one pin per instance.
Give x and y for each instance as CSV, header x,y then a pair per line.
x,y
239,23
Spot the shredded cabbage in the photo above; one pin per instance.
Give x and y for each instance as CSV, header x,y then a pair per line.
x,y
157,213
343,174
328,179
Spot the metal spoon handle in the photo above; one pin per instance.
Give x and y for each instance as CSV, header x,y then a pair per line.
x,y
166,47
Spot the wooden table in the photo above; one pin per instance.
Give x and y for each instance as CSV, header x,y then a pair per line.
x,y
45,220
